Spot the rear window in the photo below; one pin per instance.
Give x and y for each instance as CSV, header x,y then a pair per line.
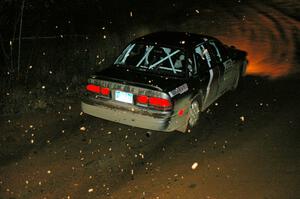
x,y
153,58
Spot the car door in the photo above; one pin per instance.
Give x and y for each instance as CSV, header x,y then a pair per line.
x,y
208,71
227,69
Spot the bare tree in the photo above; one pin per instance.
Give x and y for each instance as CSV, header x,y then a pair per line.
x,y
20,35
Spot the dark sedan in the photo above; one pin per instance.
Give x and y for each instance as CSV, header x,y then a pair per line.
x,y
162,81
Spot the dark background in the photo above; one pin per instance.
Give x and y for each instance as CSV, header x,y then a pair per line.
x,y
246,144
62,42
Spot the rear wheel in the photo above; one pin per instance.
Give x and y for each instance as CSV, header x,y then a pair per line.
x,y
194,113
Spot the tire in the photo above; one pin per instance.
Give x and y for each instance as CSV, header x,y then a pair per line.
x,y
194,113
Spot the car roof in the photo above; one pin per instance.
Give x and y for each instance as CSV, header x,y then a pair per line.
x,y
176,39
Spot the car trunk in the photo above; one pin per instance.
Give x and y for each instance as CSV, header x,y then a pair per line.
x,y
141,78
130,89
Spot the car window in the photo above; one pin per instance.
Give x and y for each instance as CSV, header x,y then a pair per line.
x,y
202,58
222,50
153,58
215,50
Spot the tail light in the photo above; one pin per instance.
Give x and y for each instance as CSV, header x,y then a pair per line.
x,y
142,99
155,102
105,91
97,89
159,102
93,88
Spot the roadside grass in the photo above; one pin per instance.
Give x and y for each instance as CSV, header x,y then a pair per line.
x,y
53,69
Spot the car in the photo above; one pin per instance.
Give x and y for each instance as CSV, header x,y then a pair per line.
x,y
164,80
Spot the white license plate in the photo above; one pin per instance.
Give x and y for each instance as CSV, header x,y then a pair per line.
x,y
124,97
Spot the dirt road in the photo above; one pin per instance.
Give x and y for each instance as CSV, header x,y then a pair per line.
x,y
245,146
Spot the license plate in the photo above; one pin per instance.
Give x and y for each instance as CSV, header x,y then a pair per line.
x,y
124,97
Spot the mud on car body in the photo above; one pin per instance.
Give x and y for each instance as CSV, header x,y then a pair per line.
x,y
162,81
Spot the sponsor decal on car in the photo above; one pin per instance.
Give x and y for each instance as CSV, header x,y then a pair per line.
x,y
179,90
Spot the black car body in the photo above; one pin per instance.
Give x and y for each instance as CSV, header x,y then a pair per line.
x,y
162,81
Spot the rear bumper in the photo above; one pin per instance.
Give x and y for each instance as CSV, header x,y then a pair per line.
x,y
132,118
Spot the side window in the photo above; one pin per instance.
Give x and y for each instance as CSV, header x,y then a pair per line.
x,y
215,52
222,50
210,54
202,59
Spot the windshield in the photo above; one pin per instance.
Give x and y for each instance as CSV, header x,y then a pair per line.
x,y
158,59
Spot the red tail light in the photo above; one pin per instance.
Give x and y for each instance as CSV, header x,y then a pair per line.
x,y
105,91
159,102
154,102
142,99
97,89
93,88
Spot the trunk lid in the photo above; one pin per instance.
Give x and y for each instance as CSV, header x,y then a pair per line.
x,y
135,85
138,78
